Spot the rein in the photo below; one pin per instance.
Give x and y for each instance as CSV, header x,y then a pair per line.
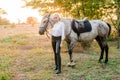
x,y
47,33
46,28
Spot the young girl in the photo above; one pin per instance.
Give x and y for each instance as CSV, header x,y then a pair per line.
x,y
58,34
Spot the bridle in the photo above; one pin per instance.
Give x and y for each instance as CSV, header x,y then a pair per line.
x,y
48,21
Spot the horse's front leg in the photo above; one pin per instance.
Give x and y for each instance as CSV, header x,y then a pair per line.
x,y
70,50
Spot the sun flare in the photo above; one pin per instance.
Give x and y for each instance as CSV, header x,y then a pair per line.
x,y
15,11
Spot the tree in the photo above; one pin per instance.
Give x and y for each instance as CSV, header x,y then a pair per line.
x,y
2,11
43,6
82,8
118,22
75,8
31,20
113,8
3,20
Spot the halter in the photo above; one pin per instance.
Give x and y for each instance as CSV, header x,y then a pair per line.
x,y
47,25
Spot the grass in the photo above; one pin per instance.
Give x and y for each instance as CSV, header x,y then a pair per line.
x,y
4,67
26,57
37,64
16,39
4,76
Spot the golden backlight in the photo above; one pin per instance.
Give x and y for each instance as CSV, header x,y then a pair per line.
x,y
15,12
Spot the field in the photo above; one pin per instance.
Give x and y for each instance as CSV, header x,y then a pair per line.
x,y
26,55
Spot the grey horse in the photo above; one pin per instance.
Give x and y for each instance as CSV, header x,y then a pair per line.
x,y
100,31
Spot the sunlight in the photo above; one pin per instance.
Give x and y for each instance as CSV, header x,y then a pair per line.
x,y
15,11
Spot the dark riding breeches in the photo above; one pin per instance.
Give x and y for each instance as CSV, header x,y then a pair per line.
x,y
56,41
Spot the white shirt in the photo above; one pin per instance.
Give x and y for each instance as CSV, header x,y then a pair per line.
x,y
58,30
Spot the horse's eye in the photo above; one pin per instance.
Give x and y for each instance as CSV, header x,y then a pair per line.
x,y
44,21
80,24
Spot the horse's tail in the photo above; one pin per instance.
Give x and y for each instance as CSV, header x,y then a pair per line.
x,y
109,29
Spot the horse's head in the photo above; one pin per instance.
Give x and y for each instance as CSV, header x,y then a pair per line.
x,y
44,24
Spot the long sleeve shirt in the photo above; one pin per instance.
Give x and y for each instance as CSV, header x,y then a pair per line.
x,y
58,30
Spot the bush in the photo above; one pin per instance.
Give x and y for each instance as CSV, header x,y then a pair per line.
x,y
4,21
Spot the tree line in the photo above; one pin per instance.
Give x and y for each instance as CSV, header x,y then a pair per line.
x,y
3,21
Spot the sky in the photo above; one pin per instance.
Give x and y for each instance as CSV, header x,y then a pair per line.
x,y
15,11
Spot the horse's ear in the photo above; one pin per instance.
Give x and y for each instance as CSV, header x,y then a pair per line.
x,y
49,14
85,18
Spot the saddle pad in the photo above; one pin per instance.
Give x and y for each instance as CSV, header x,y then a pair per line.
x,y
86,27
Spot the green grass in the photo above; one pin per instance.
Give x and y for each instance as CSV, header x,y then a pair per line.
x,y
4,67
25,57
16,39
4,76
6,40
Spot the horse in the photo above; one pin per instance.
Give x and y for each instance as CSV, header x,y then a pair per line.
x,y
100,30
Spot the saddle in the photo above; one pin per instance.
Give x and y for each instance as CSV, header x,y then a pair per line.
x,y
81,26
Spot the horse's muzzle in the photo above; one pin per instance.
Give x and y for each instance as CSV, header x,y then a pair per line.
x,y
41,33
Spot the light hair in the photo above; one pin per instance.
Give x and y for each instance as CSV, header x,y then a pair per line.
x,y
56,15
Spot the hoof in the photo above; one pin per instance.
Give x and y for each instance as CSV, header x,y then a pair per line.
x,y
105,63
99,61
71,64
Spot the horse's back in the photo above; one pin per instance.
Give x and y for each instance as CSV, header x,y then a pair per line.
x,y
102,27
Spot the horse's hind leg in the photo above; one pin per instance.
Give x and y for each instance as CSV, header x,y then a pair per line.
x,y
99,40
105,45
106,50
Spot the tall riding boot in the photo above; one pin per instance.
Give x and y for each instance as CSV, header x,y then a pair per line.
x,y
55,56
59,64
56,65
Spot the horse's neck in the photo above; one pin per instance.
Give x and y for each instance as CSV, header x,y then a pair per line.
x,y
67,23
51,23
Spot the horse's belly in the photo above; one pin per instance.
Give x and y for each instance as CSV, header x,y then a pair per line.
x,y
88,36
